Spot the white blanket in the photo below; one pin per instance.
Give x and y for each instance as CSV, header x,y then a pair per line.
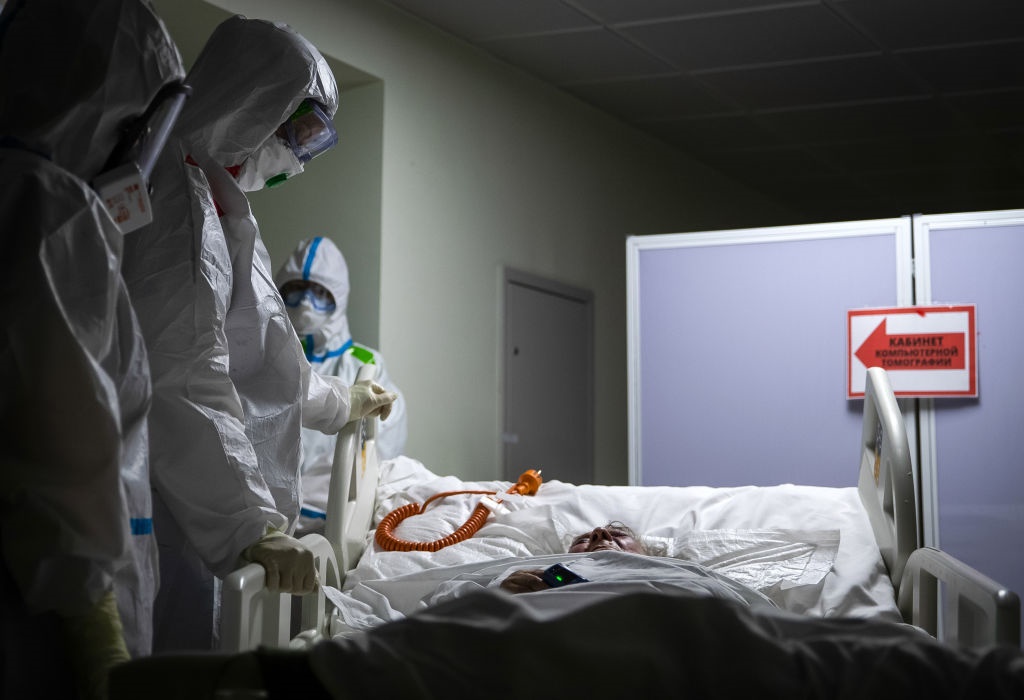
x,y
809,549
374,602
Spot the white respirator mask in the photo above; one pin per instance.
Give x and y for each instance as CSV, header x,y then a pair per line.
x,y
306,318
271,164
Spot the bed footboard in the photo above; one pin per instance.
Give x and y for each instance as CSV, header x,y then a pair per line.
x,y
252,616
976,611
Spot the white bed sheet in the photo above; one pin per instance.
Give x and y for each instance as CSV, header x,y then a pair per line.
x,y
809,549
376,601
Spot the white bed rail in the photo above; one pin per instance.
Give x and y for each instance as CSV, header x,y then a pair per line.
x,y
353,489
251,615
886,480
934,590
972,609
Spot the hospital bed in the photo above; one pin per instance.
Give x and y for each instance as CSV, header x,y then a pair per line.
x,y
823,556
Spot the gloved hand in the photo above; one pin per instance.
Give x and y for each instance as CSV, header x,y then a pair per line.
x,y
368,398
290,566
95,643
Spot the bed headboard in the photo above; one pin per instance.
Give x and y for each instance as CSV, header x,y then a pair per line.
x,y
886,481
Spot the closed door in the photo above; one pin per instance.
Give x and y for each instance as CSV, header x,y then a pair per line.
x,y
548,393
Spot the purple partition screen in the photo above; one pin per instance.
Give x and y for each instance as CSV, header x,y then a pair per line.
x,y
741,357
979,443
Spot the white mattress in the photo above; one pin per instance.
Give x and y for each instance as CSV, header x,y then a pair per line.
x,y
808,549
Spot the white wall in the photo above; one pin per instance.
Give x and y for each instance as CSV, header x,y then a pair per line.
x,y
483,166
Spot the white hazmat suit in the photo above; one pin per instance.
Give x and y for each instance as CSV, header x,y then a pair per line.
x,y
232,388
75,508
329,347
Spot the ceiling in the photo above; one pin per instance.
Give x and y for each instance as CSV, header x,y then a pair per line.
x,y
838,109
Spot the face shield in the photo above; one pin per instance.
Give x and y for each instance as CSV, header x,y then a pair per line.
x,y
317,296
308,131
309,305
124,183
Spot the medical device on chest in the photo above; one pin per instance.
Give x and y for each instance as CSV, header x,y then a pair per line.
x,y
124,183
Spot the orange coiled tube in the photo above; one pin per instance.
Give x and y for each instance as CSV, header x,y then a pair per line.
x,y
528,484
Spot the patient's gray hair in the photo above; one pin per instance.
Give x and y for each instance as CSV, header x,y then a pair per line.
x,y
652,547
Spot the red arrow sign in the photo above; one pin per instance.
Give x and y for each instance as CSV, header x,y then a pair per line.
x,y
912,350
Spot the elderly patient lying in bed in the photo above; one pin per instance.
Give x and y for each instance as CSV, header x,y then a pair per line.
x,y
783,542
639,626
614,537
611,558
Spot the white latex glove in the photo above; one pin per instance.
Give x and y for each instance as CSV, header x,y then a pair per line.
x,y
369,399
290,566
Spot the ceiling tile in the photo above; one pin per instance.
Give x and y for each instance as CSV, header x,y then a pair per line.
x,y
935,185
576,56
662,97
784,166
926,152
991,110
915,23
618,11
847,122
1011,143
820,82
974,67
784,34
714,133
477,19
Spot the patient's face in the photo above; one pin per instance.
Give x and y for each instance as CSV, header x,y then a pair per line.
x,y
608,537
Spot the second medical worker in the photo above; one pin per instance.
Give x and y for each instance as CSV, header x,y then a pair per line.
x,y
231,386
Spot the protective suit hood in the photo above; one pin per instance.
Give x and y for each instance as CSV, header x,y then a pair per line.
x,y
251,75
70,105
319,260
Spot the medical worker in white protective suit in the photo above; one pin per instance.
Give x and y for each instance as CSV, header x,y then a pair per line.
x,y
231,387
314,285
79,556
